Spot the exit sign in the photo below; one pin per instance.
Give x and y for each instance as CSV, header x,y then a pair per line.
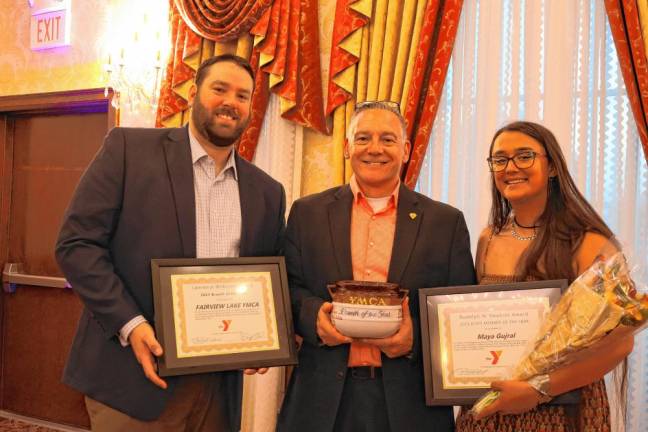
x,y
50,28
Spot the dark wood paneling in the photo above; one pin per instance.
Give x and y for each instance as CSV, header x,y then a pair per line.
x,y
6,165
76,101
38,327
50,154
46,142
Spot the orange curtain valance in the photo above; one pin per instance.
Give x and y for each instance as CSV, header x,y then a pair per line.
x,y
287,41
626,25
282,45
221,20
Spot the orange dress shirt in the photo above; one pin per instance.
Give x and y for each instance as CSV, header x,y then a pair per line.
x,y
372,238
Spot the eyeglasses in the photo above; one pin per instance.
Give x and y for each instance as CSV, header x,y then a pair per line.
x,y
391,105
522,160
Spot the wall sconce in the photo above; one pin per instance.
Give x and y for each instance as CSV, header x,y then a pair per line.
x,y
136,59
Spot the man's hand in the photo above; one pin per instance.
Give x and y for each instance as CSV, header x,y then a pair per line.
x,y
325,329
516,397
142,341
253,371
401,342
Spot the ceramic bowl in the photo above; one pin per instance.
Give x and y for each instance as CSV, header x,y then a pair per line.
x,y
366,321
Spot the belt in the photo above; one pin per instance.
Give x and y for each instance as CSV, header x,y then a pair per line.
x,y
365,372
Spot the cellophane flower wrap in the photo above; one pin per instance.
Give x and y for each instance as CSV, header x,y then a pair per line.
x,y
602,299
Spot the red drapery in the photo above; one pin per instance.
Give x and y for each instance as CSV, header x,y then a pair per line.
x,y
623,16
346,22
289,56
435,50
185,44
220,20
285,57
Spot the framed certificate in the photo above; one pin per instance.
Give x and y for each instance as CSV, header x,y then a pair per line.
x,y
473,335
215,314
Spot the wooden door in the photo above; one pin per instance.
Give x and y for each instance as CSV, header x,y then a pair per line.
x,y
48,141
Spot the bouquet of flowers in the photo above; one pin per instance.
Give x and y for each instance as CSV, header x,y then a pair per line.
x,y
601,300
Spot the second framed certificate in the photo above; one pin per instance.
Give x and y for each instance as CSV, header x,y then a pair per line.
x,y
216,314
473,335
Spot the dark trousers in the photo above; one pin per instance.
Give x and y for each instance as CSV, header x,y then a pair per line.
x,y
363,407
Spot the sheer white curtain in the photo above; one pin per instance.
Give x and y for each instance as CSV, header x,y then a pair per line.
x,y
554,62
279,153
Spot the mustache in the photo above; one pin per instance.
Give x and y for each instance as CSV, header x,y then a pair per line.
x,y
226,110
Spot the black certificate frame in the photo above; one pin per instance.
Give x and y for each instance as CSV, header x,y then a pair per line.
x,y
429,298
169,364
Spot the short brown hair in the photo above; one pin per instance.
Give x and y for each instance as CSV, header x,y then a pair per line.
x,y
201,73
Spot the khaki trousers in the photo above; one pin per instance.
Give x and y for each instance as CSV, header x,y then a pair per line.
x,y
196,405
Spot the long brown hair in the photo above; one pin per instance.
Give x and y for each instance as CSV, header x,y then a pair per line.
x,y
565,220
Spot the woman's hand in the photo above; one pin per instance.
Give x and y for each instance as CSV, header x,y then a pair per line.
x,y
516,397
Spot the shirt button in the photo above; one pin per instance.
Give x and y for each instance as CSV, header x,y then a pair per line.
x,y
339,374
371,244
368,272
373,217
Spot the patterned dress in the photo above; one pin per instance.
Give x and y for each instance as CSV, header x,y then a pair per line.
x,y
592,414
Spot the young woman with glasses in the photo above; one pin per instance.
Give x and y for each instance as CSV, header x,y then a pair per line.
x,y
541,227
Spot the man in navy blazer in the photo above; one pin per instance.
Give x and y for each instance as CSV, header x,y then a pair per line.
x,y
373,229
140,199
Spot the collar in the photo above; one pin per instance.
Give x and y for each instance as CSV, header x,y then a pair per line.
x,y
359,195
198,152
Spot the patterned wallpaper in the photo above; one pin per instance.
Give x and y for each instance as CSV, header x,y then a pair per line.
x,y
78,66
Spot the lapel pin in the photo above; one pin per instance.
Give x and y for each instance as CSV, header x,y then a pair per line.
x,y
412,216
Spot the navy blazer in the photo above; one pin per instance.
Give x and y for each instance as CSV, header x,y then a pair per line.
x,y
431,249
136,202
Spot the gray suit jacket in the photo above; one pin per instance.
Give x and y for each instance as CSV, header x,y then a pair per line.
x,y
136,202
430,250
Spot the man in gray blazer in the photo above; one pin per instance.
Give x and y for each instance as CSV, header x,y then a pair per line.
x,y
373,229
162,193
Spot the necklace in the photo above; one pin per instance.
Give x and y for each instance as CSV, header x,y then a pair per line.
x,y
524,226
516,235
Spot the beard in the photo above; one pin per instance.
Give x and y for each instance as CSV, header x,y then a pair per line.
x,y
206,123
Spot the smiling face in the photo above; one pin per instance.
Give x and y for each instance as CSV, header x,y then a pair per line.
x,y
221,106
377,148
522,186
